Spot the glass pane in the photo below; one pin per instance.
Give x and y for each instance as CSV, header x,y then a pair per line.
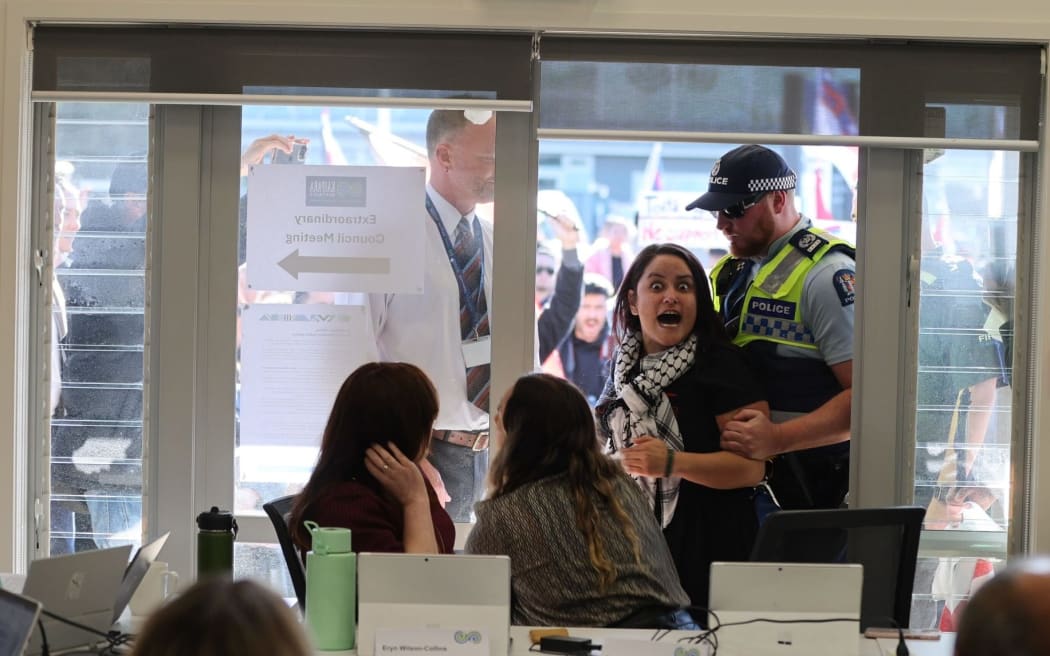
x,y
627,195
328,320
99,312
692,97
963,394
263,563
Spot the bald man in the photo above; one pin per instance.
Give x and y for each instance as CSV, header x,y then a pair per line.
x,y
1010,614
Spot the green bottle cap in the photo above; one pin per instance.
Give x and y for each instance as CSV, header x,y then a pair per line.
x,y
326,540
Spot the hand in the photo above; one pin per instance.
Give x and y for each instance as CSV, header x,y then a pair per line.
x,y
565,229
646,457
396,473
256,152
752,435
436,482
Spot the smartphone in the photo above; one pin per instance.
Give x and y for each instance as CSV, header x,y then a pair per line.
x,y
909,634
297,156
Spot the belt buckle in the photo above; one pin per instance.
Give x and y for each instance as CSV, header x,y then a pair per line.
x,y
481,441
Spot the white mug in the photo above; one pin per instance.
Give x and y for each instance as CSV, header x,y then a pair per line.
x,y
157,585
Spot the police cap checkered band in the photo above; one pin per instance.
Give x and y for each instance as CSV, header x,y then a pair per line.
x,y
742,173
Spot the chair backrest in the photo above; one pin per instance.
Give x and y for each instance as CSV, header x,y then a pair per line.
x,y
278,511
884,540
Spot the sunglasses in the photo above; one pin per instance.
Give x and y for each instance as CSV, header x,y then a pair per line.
x,y
548,270
736,211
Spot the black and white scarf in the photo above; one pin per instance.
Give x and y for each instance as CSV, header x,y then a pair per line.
x,y
638,406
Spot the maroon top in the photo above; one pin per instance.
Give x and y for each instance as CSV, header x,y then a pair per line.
x,y
376,521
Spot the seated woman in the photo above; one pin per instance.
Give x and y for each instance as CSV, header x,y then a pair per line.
x,y
222,617
583,544
367,477
676,381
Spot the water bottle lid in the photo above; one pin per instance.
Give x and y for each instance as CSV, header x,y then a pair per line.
x,y
328,540
216,520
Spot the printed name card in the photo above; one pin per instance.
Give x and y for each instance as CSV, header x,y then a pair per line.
x,y
619,647
448,642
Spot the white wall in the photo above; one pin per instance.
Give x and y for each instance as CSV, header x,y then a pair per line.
x,y
1026,20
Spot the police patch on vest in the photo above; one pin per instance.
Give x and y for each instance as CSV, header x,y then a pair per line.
x,y
807,242
845,285
768,307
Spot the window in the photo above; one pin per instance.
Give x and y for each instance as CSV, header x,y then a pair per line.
x,y
100,269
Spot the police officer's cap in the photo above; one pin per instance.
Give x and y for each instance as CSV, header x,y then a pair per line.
x,y
740,174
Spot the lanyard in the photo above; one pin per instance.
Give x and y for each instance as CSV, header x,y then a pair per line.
x,y
472,303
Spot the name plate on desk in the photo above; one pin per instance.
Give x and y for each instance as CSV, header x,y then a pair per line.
x,y
623,647
451,642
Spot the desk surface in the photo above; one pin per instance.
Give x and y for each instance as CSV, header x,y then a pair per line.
x,y
520,642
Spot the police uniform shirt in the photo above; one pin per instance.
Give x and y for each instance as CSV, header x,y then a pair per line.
x,y
827,303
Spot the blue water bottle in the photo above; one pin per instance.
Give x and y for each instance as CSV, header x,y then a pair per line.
x,y
331,588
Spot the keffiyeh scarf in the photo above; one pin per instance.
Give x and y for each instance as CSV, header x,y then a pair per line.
x,y
638,406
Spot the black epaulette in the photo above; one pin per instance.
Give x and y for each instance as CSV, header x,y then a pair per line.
x,y
808,243
727,274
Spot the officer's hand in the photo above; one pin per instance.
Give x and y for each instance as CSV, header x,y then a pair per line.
x,y
751,434
646,457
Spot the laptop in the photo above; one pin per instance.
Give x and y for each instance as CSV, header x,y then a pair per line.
x,y
135,572
417,591
81,587
18,616
786,591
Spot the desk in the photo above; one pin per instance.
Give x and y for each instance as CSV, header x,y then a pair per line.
x,y
520,642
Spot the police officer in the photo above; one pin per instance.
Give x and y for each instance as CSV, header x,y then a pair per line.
x,y
786,294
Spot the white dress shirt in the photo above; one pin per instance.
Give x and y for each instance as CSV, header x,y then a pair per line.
x,y
424,329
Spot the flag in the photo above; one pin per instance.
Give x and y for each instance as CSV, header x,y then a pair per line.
x,y
333,152
651,177
832,112
966,576
389,149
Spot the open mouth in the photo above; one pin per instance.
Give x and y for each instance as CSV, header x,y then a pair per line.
x,y
669,319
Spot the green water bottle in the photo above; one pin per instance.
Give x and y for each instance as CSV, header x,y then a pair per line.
x,y
216,531
331,588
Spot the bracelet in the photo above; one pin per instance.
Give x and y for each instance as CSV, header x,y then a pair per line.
x,y
670,463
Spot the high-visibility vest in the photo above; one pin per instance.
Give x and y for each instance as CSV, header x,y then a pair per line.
x,y
772,309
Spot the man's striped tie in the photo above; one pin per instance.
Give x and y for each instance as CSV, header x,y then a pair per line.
x,y
469,258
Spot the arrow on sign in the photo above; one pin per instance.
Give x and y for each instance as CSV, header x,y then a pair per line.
x,y
296,264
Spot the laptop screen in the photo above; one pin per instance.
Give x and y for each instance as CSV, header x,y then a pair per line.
x,y
135,572
406,591
17,617
82,587
786,609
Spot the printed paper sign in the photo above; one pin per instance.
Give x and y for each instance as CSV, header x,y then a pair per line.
x,y
294,358
336,228
450,642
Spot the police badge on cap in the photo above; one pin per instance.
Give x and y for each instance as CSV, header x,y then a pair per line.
x,y
740,174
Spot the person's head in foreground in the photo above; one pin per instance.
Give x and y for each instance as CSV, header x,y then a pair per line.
x,y
664,299
221,617
1010,614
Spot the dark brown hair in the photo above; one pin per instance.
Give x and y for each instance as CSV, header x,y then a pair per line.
x,y
708,327
379,402
222,617
550,430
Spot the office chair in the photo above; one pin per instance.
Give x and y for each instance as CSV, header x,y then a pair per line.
x,y
884,540
278,511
